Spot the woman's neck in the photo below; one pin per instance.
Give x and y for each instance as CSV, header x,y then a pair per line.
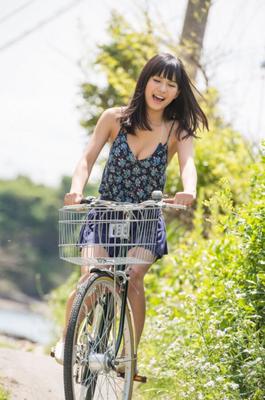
x,y
155,118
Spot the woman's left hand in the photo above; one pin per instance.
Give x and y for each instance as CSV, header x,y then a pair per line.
x,y
184,198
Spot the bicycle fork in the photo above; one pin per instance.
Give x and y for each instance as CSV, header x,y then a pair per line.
x,y
124,287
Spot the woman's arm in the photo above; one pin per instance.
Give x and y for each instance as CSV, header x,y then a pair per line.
x,y
187,167
188,173
83,169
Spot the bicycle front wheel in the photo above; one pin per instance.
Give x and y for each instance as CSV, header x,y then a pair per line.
x,y
89,358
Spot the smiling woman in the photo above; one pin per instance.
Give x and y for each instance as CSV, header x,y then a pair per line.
x,y
160,120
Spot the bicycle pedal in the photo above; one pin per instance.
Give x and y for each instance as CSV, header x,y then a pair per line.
x,y
136,378
140,378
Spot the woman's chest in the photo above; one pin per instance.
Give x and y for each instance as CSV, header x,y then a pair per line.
x,y
144,145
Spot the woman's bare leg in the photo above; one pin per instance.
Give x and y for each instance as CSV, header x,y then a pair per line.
x,y
136,291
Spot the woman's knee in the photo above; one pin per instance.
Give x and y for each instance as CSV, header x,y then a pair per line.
x,y
137,273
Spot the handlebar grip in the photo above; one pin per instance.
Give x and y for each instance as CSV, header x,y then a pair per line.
x,y
175,206
157,195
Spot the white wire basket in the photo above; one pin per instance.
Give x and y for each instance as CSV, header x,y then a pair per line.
x,y
105,233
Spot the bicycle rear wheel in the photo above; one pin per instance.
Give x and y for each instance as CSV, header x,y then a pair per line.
x,y
89,358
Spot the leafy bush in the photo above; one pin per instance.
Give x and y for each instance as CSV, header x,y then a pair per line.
x,y
205,333
221,152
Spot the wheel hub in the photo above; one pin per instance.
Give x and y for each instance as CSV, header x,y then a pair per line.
x,y
100,362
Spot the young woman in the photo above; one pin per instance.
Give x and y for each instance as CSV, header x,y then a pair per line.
x,y
160,120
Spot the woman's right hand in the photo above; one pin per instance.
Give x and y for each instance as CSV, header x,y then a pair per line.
x,y
72,198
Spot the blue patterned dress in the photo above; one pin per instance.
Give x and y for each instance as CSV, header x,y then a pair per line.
x,y
127,179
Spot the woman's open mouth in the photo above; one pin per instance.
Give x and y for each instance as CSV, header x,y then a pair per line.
x,y
158,99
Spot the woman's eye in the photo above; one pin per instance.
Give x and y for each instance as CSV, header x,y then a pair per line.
x,y
156,80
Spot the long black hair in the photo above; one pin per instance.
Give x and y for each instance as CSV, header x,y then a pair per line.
x,y
184,108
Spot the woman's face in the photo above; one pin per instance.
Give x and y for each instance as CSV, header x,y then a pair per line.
x,y
160,92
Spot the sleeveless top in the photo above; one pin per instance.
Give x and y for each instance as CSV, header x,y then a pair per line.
x,y
127,179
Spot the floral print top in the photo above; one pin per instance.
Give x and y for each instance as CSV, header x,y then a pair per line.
x,y
127,179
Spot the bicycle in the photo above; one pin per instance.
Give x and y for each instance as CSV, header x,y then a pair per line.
x,y
100,351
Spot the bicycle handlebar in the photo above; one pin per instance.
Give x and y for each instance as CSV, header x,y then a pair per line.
x,y
157,200
162,204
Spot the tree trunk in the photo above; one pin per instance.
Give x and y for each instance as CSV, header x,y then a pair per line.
x,y
191,40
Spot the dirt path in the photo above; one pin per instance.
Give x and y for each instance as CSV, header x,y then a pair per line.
x,y
30,376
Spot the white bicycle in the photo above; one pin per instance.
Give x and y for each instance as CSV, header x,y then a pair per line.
x,y
100,352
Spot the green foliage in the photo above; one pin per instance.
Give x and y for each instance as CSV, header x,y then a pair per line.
x,y
206,339
221,152
29,236
4,394
28,232
120,62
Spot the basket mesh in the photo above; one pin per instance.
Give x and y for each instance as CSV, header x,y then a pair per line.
x,y
112,235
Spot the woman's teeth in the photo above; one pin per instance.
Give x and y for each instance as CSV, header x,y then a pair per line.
x,y
158,98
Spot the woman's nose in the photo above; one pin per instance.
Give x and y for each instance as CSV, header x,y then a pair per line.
x,y
163,87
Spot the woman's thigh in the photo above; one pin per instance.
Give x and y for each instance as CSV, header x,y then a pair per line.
x,y
136,271
91,252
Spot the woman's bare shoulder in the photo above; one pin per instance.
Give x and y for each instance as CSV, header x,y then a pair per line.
x,y
114,114
179,134
174,125
173,144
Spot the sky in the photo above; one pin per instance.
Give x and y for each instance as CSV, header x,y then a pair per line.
x,y
40,73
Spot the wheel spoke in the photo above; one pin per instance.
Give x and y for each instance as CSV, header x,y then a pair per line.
x,y
93,327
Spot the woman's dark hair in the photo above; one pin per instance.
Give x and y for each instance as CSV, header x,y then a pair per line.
x,y
184,108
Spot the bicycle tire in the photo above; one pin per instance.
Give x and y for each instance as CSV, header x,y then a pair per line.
x,y
81,382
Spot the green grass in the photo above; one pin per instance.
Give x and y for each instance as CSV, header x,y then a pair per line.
x,y
7,345
4,394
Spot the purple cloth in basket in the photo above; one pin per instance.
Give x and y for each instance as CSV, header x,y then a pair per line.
x,y
95,232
